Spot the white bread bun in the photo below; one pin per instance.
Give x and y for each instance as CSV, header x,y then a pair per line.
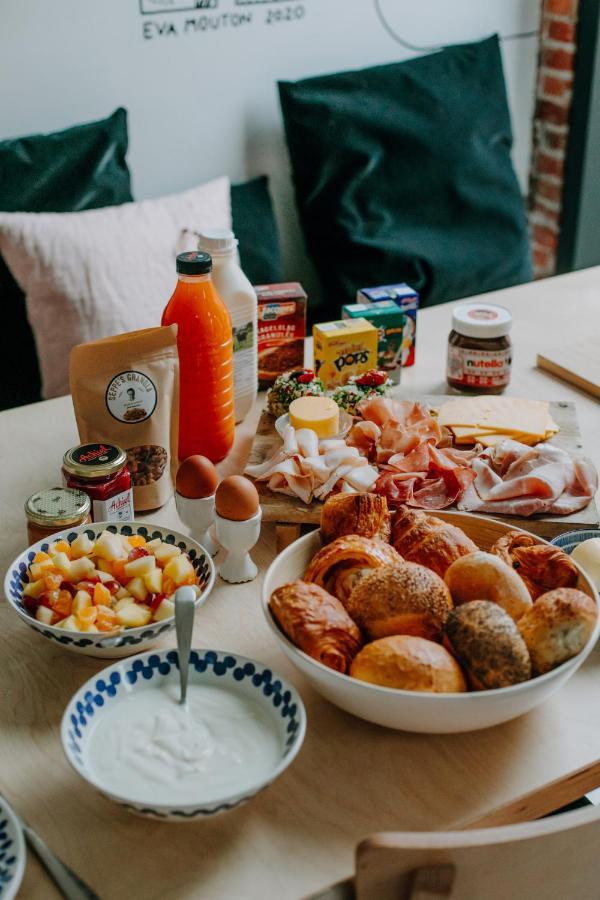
x,y
483,576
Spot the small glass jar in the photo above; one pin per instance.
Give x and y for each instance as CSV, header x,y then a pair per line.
x,y
101,471
54,509
479,349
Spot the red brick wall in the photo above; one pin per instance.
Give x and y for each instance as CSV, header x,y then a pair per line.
x,y
554,91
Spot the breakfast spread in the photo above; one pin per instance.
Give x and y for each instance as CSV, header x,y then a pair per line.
x,y
433,612
344,348
289,387
389,321
106,585
281,329
101,471
126,393
49,511
479,348
407,299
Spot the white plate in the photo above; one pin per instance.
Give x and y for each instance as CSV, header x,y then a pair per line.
x,y
12,852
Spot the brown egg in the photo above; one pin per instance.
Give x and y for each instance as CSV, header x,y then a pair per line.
x,y
196,477
236,499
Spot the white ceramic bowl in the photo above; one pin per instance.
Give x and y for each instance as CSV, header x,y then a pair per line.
x,y
12,852
408,710
127,680
132,640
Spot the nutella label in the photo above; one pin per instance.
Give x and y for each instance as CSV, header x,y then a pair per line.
x,y
116,509
479,368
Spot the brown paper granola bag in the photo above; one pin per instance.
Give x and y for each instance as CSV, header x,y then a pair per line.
x,y
126,392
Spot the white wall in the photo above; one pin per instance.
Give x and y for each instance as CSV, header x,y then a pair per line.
x,y
204,102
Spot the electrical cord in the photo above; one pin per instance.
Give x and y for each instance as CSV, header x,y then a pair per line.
x,y
414,48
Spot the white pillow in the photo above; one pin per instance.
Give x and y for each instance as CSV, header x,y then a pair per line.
x,y
93,274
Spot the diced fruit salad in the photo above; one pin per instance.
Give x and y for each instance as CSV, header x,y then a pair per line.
x,y
106,585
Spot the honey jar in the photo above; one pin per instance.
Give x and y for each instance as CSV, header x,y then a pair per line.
x,y
55,509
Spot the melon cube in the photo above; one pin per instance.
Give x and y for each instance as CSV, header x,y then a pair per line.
x,y
153,580
69,624
139,566
165,610
44,615
62,562
122,592
108,546
89,629
80,568
165,552
103,576
134,615
34,588
137,589
81,546
153,544
123,602
180,570
81,600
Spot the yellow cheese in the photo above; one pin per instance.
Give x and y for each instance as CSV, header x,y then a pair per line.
x,y
321,414
505,415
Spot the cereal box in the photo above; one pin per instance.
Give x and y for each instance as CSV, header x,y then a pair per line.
x,y
389,320
344,348
408,300
281,329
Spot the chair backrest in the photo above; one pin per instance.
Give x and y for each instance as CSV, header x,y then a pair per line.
x,y
551,859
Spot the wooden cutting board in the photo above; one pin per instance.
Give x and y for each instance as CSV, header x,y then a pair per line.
x,y
289,513
579,364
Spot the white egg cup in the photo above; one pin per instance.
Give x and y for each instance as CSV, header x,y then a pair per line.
x,y
237,539
198,515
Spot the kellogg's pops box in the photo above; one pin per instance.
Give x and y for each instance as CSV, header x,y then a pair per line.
x,y
344,348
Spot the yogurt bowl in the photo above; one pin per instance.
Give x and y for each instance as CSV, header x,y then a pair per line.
x,y
125,733
130,640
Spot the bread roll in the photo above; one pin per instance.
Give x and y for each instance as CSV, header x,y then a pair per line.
x,y
317,623
487,643
541,566
587,555
557,627
483,576
338,566
364,514
429,541
406,599
410,664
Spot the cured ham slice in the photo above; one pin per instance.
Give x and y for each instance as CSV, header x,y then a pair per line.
x,y
515,479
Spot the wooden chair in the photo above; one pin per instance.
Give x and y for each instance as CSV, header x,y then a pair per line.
x,y
557,858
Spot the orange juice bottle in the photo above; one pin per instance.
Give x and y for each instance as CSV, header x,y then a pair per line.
x,y
205,345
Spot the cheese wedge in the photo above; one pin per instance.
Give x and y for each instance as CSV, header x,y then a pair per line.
x,y
321,414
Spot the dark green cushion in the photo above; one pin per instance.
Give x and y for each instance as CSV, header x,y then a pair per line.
x,y
80,168
256,230
403,173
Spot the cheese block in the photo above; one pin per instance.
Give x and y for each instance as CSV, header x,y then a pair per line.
x,y
321,414
503,415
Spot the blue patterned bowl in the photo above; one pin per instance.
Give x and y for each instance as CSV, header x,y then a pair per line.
x,y
128,680
568,540
133,639
12,852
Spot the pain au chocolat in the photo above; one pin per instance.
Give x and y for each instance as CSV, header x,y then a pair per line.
x,y
429,541
541,566
339,566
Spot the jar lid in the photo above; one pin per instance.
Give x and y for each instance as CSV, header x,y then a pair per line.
x,y
94,460
194,263
57,506
481,320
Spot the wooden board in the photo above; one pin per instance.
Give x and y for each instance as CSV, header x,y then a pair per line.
x,y
286,510
577,363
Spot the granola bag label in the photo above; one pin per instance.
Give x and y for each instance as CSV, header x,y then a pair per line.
x,y
126,392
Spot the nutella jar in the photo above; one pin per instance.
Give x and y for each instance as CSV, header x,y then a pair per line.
x,y
479,349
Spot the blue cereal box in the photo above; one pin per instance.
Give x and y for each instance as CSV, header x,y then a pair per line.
x,y
408,300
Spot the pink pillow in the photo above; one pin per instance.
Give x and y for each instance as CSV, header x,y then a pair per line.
x,y
93,274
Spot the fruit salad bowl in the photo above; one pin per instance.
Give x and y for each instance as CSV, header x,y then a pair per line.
x,y
128,630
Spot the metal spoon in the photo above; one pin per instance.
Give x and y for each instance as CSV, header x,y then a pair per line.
x,y
185,607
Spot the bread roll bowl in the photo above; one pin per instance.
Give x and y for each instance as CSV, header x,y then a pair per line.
x,y
406,710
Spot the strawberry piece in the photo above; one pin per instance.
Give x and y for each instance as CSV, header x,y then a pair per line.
x,y
112,586
155,601
372,379
136,553
307,376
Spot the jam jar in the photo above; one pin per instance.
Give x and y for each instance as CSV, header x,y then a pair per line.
x,y
55,509
479,349
101,471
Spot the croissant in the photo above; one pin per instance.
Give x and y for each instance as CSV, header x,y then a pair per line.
x,y
317,623
429,541
338,566
364,514
542,567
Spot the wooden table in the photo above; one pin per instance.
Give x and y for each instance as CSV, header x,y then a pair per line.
x,y
351,778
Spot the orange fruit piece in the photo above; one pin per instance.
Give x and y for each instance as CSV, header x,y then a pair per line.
x,y
168,587
53,581
118,570
106,619
88,615
63,547
101,595
62,606
136,540
40,557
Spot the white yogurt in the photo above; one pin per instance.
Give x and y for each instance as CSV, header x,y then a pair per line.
x,y
150,749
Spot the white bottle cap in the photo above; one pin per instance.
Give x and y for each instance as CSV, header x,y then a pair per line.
x,y
481,320
217,241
